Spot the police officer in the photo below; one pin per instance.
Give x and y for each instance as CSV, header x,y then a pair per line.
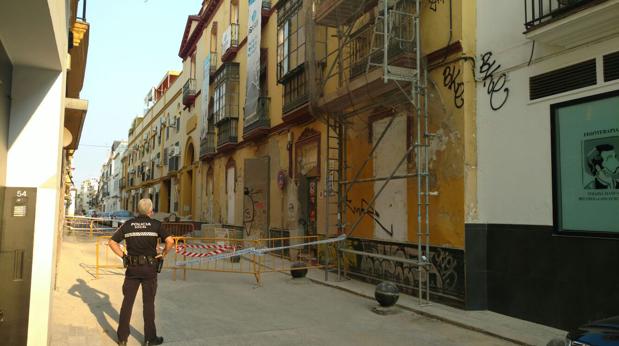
x,y
140,235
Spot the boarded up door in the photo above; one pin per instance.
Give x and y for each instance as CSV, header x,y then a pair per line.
x,y
230,191
209,198
390,210
256,197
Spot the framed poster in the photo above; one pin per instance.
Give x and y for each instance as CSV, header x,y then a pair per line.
x,y
585,144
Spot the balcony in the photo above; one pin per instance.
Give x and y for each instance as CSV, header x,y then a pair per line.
x,y
230,42
207,146
335,12
173,164
569,23
266,10
295,90
227,137
189,92
362,74
213,66
258,125
266,5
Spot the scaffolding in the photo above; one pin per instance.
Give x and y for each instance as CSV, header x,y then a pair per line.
x,y
377,51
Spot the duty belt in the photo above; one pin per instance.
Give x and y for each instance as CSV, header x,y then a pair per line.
x,y
141,260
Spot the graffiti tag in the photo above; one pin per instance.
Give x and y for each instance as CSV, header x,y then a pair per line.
x,y
492,83
365,209
444,273
451,77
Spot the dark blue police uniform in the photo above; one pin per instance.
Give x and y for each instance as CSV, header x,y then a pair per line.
x,y
140,235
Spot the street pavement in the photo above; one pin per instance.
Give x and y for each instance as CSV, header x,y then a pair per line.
x,y
230,309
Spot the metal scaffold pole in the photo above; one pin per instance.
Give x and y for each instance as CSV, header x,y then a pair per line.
x,y
379,33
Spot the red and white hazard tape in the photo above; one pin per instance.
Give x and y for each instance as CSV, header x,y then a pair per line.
x,y
219,249
206,246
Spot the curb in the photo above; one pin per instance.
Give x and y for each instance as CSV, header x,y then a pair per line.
x,y
427,314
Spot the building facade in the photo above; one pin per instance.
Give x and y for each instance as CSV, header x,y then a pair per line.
x,y
548,121
421,129
87,196
43,50
241,138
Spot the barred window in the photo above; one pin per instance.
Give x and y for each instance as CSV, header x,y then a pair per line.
x,y
295,91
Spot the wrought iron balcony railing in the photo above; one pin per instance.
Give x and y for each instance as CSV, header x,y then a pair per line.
x,y
230,38
173,164
207,145
189,92
213,66
227,132
541,11
262,119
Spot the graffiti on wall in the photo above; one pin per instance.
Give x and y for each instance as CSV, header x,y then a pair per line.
x,y
255,197
493,83
434,4
446,274
364,209
452,80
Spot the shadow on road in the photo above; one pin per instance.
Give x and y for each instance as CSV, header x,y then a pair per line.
x,y
100,306
92,270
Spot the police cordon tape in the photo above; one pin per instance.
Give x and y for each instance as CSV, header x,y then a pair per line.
x,y
259,252
217,249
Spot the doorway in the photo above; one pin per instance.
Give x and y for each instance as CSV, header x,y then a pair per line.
x,y
230,190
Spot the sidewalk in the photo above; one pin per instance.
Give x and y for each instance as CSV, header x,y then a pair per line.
x,y
230,309
487,322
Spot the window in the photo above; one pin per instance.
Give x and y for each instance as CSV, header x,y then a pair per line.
x,y
585,143
290,37
177,124
214,38
192,66
234,11
226,98
295,92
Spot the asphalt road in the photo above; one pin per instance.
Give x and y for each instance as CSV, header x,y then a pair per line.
x,y
230,309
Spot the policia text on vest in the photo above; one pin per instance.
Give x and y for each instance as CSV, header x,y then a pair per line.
x,y
140,235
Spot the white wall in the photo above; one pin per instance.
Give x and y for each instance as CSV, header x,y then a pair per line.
x,y
514,147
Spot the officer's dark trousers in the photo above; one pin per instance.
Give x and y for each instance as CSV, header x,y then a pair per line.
x,y
146,275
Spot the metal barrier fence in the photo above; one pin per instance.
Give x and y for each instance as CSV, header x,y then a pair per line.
x,y
200,254
89,227
178,229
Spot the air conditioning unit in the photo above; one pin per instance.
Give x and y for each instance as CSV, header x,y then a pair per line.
x,y
172,122
177,151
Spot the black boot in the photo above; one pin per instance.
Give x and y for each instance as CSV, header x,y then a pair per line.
x,y
158,340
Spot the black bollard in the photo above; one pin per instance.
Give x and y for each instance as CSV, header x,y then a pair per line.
x,y
386,294
298,270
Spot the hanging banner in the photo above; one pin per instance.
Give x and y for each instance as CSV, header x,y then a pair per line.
x,y
206,81
254,26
